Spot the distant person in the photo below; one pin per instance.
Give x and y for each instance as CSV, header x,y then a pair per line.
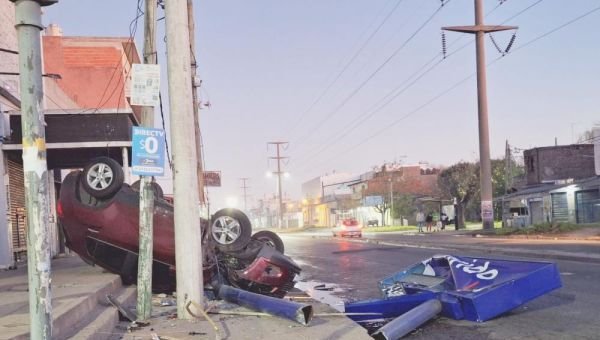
x,y
444,219
429,221
420,220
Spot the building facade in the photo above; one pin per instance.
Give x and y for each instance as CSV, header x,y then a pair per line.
x,y
86,113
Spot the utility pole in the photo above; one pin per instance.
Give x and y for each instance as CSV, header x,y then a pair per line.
x,y
479,29
245,188
35,168
391,201
195,85
188,247
146,238
279,173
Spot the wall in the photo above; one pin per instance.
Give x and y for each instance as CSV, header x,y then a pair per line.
x,y
556,163
8,40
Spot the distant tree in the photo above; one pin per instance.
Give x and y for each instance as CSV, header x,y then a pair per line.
x,y
404,206
382,209
460,181
587,137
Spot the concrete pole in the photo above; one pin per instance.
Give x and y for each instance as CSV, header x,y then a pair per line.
x,y
391,201
479,29
245,188
279,173
29,25
280,219
188,248
195,85
487,212
146,227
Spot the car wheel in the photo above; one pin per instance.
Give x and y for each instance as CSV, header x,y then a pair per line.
x,y
158,191
102,177
269,238
231,229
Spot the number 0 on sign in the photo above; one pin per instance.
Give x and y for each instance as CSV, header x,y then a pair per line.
x,y
148,151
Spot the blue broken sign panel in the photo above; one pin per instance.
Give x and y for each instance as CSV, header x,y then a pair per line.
x,y
475,289
148,151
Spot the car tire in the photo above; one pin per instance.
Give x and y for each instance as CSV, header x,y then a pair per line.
x,y
230,229
158,191
269,238
102,177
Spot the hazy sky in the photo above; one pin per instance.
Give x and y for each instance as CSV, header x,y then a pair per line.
x,y
268,65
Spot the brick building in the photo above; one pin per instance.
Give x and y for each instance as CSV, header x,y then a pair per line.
x,y
562,186
412,180
555,163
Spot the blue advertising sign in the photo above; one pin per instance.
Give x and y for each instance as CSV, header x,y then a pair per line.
x,y
470,288
148,151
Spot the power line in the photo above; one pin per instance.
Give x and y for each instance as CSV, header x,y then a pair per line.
x,y
457,84
374,73
402,88
132,31
346,66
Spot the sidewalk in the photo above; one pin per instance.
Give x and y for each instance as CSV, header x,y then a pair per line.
x,y
80,311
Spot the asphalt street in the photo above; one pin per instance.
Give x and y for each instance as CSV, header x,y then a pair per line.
x,y
354,269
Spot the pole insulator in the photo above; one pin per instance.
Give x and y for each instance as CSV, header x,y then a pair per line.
x,y
444,47
510,43
496,45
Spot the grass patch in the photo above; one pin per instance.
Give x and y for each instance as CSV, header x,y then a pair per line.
x,y
385,229
543,228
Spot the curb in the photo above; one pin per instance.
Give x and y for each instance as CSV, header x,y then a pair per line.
x,y
545,254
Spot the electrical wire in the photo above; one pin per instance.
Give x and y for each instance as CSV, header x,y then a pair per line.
x,y
374,73
401,89
346,66
457,84
125,53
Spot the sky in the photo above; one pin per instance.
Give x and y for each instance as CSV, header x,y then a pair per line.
x,y
318,73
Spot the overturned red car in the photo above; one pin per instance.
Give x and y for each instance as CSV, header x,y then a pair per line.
x,y
99,215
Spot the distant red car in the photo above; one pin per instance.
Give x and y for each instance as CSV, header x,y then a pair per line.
x,y
99,215
348,227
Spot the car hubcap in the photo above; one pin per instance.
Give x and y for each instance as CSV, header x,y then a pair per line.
x,y
100,176
226,230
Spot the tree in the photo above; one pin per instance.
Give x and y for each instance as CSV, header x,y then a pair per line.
x,y
382,208
404,206
460,181
587,137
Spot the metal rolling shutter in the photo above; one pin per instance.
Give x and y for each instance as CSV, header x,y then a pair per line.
x,y
586,204
560,207
16,206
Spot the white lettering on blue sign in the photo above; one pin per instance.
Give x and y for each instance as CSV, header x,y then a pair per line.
x,y
482,271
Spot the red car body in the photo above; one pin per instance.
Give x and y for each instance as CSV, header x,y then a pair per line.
x,y
105,233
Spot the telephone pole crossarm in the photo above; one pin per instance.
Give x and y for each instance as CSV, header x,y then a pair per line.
x,y
479,28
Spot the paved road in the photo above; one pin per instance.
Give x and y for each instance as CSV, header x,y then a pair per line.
x,y
568,313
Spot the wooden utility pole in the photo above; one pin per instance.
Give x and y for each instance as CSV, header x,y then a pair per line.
x,y
479,29
146,238
35,169
244,187
279,173
195,85
188,246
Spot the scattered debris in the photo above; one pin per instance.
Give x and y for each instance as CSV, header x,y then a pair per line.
x,y
201,310
196,333
122,310
323,287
